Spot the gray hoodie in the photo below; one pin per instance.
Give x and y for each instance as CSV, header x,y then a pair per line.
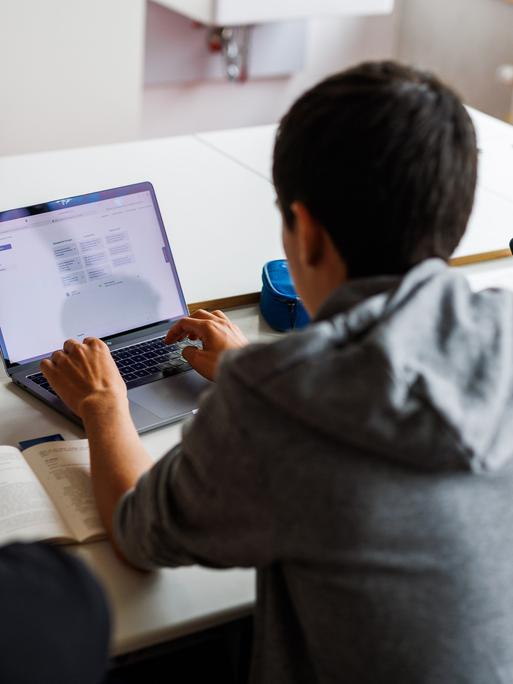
x,y
364,467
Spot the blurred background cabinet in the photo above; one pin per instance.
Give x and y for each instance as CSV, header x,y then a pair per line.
x,y
238,12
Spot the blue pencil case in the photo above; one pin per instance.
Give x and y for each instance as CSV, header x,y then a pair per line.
x,y
280,305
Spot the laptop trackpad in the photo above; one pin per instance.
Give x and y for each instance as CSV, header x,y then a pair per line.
x,y
171,396
141,416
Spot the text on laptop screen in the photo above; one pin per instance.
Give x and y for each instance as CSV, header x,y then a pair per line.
x,y
92,269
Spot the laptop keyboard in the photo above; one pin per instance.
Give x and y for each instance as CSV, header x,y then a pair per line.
x,y
142,363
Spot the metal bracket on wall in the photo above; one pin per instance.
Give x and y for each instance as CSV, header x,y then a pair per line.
x,y
233,42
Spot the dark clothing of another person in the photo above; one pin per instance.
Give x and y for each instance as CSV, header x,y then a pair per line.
x,y
54,621
364,466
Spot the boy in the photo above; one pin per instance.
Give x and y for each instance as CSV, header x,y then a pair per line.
x,y
363,466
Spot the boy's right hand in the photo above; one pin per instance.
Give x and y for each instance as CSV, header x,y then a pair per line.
x,y
217,334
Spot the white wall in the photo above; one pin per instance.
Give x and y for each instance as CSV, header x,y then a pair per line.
x,y
71,75
464,41
70,72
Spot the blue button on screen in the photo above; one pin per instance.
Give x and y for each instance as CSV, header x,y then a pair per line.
x,y
4,247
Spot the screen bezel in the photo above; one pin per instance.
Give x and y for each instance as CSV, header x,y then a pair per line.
x,y
90,198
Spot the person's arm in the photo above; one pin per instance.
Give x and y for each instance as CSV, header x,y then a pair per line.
x,y
209,500
87,380
55,621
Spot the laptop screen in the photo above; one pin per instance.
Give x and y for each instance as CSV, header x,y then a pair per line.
x,y
92,265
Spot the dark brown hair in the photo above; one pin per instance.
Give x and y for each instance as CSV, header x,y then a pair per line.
x,y
384,156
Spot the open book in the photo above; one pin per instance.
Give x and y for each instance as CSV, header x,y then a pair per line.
x,y
46,494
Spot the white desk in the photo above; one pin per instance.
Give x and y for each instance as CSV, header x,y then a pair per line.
x,y
221,220
148,608
491,225
222,225
217,200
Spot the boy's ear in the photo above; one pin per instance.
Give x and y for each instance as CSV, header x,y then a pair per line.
x,y
309,235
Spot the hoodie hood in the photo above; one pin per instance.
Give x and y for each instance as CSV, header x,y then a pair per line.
x,y
416,369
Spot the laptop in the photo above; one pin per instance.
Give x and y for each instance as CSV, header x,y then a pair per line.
x,y
97,265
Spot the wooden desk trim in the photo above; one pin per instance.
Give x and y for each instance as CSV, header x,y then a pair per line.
x,y
477,258
226,302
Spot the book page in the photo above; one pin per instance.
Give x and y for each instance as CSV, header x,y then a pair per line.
x,y
26,512
64,471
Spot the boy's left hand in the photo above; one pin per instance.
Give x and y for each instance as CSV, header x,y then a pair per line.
x,y
84,375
